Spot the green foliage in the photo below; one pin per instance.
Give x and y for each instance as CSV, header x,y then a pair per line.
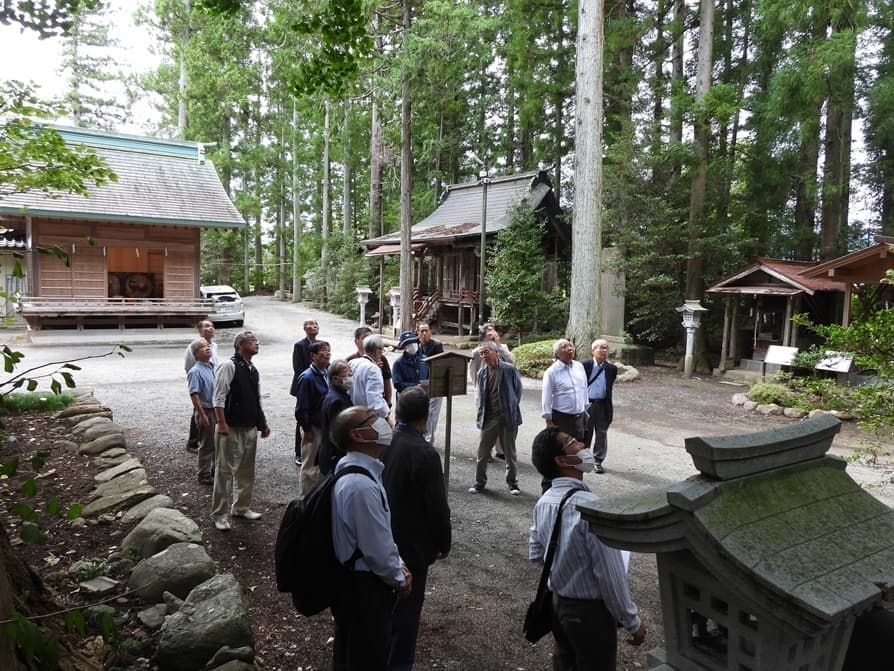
x,y
870,340
346,268
769,392
532,359
36,402
38,647
45,18
515,277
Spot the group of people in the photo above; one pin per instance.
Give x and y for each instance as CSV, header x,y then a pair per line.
x,y
393,521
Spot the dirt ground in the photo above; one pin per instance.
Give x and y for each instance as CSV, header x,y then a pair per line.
x,y
477,597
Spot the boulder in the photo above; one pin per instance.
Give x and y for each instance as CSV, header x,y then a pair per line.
x,y
100,430
103,443
176,569
154,616
228,654
115,502
816,411
136,477
794,413
212,617
112,473
85,424
843,415
626,373
769,409
740,399
749,405
159,529
143,508
234,665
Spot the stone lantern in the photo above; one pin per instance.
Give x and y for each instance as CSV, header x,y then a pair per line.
x,y
765,559
394,298
692,317
363,294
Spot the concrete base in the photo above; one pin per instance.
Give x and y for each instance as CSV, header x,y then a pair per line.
x,y
627,353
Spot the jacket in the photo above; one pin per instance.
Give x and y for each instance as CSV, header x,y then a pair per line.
x,y
510,394
610,371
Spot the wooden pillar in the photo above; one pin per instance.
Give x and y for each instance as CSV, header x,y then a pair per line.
x,y
787,328
734,332
795,327
381,292
846,311
724,347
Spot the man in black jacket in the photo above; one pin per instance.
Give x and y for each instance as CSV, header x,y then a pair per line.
x,y
600,379
420,516
301,362
336,400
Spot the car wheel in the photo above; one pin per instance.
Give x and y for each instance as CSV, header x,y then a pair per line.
x,y
238,323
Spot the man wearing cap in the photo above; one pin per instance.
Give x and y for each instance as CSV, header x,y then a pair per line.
x,y
428,346
409,370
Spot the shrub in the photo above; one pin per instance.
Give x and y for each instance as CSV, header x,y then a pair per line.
x,y
36,402
769,392
534,358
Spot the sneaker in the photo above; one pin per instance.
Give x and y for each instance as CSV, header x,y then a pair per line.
x,y
222,523
209,481
600,468
192,448
514,490
297,461
247,515
476,489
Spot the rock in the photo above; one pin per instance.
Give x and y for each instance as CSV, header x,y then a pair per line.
x,y
626,373
794,413
113,453
769,409
815,412
112,473
191,636
67,445
176,569
99,586
173,603
115,502
71,421
749,405
143,508
153,617
85,424
106,518
228,654
77,523
96,613
79,409
103,443
101,430
159,529
843,415
740,399
130,480
112,461
233,665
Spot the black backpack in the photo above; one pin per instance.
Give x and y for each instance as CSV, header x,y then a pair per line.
x,y
306,564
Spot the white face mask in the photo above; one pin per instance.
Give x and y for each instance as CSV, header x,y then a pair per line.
x,y
383,431
587,461
411,349
348,382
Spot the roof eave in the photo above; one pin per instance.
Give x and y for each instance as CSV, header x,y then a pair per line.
x,y
98,216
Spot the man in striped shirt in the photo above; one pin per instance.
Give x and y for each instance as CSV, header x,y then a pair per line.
x,y
588,579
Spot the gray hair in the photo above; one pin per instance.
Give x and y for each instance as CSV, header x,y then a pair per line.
x,y
491,345
242,335
559,343
373,342
334,367
196,344
599,341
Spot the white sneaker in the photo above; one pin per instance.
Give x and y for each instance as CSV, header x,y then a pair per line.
x,y
222,523
248,515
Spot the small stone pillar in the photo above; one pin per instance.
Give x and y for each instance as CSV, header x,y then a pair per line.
x,y
363,294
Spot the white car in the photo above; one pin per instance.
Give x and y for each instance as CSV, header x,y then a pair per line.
x,y
227,303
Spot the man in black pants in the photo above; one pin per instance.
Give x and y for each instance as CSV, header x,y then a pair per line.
x,y
300,363
600,380
420,516
205,329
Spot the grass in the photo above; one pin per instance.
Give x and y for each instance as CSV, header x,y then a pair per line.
x,y
35,402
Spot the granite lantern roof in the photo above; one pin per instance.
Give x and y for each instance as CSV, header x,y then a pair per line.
x,y
162,182
774,519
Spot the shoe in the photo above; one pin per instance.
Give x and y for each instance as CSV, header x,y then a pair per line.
x,y
491,460
476,489
501,455
514,490
247,515
206,481
297,461
192,448
600,468
222,523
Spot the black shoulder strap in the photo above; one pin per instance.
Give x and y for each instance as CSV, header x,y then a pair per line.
x,y
599,370
554,540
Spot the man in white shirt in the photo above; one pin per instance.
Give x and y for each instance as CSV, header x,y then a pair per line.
x,y
369,386
564,391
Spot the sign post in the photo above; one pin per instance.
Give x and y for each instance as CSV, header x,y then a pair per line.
x,y
447,377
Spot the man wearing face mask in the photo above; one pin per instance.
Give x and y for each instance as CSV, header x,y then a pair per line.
x,y
361,525
588,579
409,370
337,399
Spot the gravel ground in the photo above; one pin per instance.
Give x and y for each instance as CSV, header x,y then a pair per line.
x,y
476,597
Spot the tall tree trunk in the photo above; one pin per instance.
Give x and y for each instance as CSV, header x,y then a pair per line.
x,y
376,150
676,117
659,80
406,189
347,213
183,82
584,322
695,281
281,202
296,210
324,223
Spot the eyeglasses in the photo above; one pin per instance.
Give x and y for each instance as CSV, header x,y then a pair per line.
x,y
571,441
601,347
365,420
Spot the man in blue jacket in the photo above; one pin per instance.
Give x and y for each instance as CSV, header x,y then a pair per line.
x,y
409,369
313,385
499,414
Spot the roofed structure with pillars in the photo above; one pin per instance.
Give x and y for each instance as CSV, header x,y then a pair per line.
x,y
446,244
133,246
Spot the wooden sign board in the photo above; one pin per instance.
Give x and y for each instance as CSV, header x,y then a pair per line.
x,y
447,374
836,362
779,355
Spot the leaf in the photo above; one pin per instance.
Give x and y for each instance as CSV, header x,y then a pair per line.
x,y
24,511
31,533
53,506
32,385
39,460
56,387
74,511
10,467
29,488
75,623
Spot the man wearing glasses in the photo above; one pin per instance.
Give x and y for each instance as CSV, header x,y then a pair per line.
x,y
364,544
588,579
600,379
369,386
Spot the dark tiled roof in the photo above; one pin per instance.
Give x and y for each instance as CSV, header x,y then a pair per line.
x,y
775,276
159,182
459,214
